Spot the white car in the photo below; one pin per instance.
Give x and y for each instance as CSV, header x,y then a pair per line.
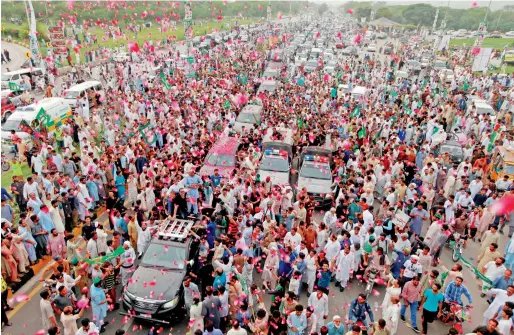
x,y
448,75
509,33
372,48
122,57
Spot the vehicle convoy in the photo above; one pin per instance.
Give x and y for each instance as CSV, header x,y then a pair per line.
x,y
167,259
316,174
277,146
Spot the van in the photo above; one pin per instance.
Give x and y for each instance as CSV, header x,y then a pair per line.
x,y
57,110
221,157
16,76
249,116
502,163
73,93
315,52
277,147
359,91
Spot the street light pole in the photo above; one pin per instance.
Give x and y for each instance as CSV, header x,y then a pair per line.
x,y
499,18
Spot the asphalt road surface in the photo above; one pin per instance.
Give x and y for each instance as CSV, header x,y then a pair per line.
x,y
17,55
26,317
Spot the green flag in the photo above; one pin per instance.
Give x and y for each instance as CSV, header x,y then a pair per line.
x,y
43,118
226,104
299,122
165,81
356,111
148,133
100,260
436,129
361,133
14,87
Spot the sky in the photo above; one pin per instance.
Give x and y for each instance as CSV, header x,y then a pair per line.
x,y
462,4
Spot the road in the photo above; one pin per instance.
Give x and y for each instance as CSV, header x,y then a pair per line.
x,y
17,55
26,317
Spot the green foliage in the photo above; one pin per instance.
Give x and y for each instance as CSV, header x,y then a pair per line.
x,y
415,14
322,8
131,12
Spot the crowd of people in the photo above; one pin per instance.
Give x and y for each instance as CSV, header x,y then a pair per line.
x,y
261,239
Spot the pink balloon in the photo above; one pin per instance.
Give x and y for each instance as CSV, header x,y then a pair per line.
x,y
474,4
349,11
133,46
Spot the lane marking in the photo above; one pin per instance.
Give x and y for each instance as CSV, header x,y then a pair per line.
x,y
20,305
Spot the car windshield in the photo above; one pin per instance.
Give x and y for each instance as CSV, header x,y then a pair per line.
x,y
71,94
452,150
249,118
316,171
221,160
11,125
157,255
269,88
508,169
6,77
277,164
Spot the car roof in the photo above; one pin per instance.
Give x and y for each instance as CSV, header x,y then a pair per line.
x,y
252,109
226,145
84,85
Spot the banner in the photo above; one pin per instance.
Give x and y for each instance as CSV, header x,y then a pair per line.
x,y
148,133
14,87
165,81
43,118
92,261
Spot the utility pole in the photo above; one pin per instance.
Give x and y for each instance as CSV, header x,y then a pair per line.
x,y
435,20
188,35
34,46
482,28
443,23
268,11
499,18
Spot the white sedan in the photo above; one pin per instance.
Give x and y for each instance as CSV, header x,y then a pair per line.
x,y
372,48
122,57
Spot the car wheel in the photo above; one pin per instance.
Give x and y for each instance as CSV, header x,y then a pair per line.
x,y
6,116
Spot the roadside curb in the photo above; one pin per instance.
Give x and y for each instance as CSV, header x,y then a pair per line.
x,y
34,285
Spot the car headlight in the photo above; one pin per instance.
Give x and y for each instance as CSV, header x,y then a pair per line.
x,y
129,295
171,303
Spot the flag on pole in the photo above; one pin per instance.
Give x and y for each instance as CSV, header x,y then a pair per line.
x,y
148,133
356,111
165,81
362,132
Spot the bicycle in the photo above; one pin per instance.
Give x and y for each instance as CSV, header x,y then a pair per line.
x,y
454,315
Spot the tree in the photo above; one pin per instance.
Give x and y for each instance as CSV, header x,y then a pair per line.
x,y
322,8
384,12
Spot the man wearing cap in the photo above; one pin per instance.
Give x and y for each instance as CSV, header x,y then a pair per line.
x,y
127,263
335,327
403,242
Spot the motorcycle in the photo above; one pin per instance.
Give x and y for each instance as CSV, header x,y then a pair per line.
x,y
372,276
457,244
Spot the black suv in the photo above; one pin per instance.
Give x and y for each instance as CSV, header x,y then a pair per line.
x,y
155,292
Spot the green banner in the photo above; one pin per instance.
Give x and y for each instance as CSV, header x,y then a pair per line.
x,y
361,133
475,271
356,111
43,118
165,81
92,261
14,87
148,133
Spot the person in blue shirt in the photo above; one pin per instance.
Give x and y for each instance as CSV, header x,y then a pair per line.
x,y
432,303
286,262
403,256
296,322
504,281
324,277
220,279
335,327
454,291
216,178
193,181
358,309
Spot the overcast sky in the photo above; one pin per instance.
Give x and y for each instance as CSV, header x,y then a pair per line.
x,y
495,4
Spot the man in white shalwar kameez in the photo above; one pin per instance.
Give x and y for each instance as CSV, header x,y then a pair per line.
x,y
144,236
391,315
344,264
319,302
501,297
